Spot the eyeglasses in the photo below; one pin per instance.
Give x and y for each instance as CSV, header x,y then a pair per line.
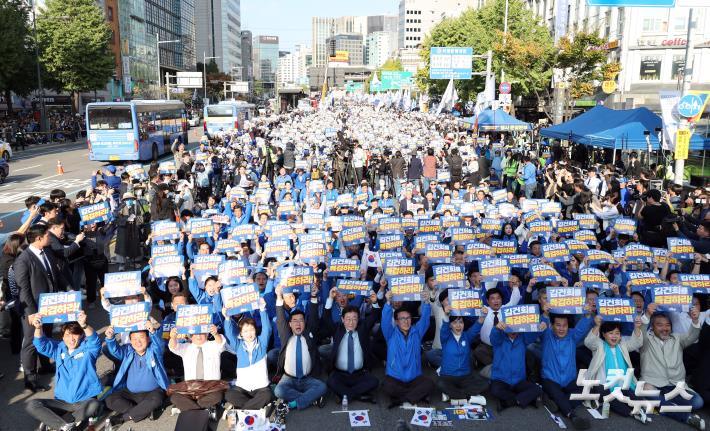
x,y
404,319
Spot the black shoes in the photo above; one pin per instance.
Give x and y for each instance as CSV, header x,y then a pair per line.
x,y
33,384
320,402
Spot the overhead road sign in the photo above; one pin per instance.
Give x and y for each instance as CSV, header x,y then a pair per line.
x,y
189,79
450,62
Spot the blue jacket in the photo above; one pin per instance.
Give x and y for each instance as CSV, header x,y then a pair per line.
x,y
404,354
76,378
509,355
236,344
559,362
456,355
202,297
529,173
126,354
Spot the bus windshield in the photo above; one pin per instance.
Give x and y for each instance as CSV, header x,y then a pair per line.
x,y
220,111
110,118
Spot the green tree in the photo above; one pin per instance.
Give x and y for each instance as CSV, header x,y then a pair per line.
x,y
390,64
74,45
580,59
18,65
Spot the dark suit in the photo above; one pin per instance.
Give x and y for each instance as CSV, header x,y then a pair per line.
x,y
32,279
61,254
360,382
284,333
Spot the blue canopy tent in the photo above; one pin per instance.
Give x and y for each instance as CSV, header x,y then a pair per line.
x,y
495,121
618,129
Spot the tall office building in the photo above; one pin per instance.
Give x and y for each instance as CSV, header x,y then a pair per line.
x,y
350,43
218,24
324,27
418,17
247,61
293,66
173,20
381,46
265,55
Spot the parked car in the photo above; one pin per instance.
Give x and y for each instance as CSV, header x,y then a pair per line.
x,y
194,121
5,150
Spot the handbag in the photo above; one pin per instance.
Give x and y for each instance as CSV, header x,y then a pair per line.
x,y
197,389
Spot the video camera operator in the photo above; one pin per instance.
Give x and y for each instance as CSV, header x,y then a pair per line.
x,y
652,213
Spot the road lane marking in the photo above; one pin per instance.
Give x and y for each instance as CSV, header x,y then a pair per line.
x,y
24,169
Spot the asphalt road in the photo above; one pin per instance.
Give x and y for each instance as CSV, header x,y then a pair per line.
x,y
33,172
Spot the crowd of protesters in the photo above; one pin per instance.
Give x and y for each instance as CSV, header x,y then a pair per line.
x,y
316,179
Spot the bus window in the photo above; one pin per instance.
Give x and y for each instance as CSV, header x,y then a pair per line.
x,y
158,122
115,118
219,111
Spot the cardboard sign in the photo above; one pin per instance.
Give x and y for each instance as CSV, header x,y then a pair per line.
x,y
95,213
122,284
448,222
638,253
438,253
352,220
430,226
540,227
499,195
643,280
551,209
530,217
544,273
277,231
576,247
624,225
228,245
521,318
193,319
279,249
313,219
165,231
243,233
494,270
675,298
555,252
700,283
391,241
240,299
517,260
566,300
599,257
354,236
163,250
394,267
136,172
342,267
450,277
233,272
461,235
465,302
477,251
354,287
422,239
491,225
503,246
586,221
59,307
616,309
389,225
593,278
295,279
681,248
129,317
201,228
406,287
167,266
312,252
585,236
567,228
443,175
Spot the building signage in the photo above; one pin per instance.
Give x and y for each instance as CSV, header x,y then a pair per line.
x,y
450,62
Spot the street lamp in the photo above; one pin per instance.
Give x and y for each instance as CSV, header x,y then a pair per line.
x,y
204,72
160,80
42,107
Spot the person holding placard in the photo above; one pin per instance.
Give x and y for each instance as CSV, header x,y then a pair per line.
x,y
141,381
662,361
484,350
403,373
77,383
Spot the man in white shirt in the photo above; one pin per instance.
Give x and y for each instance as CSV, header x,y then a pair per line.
x,y
483,351
359,157
201,361
594,184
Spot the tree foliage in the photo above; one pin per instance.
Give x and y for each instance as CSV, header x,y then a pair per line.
x,y
525,56
74,44
390,64
17,67
580,60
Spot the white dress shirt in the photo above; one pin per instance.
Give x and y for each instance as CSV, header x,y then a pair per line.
x,y
290,363
211,353
487,326
342,360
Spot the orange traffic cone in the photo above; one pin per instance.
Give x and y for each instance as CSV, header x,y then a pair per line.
x,y
60,168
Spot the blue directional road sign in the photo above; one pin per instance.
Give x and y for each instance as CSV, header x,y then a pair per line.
x,y
450,62
690,105
632,3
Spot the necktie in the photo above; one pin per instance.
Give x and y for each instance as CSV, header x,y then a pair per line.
x,y
299,358
200,372
495,318
47,267
351,353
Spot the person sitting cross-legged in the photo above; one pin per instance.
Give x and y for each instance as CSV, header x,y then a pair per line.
x,y
77,383
141,381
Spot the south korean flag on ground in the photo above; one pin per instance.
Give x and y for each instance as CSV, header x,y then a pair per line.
x,y
251,420
422,417
359,418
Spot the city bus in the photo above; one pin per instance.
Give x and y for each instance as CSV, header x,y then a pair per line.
x,y
135,130
226,116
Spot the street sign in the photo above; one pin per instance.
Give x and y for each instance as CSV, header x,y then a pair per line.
x,y
682,143
450,62
239,87
609,87
505,98
504,88
690,105
632,3
189,79
395,80
177,90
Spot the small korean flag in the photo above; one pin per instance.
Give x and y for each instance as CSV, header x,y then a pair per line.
x,y
359,418
250,420
422,417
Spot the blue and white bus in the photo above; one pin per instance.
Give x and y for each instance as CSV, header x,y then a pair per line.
x,y
136,130
227,116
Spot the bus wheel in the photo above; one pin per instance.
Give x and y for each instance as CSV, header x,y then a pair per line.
x,y
154,155
6,156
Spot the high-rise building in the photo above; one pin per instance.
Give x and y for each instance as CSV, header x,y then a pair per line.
x,y
324,27
293,67
350,43
173,20
138,47
381,45
218,24
418,17
265,55
247,63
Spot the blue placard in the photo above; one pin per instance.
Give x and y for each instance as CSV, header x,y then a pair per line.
x,y
312,252
616,309
193,319
438,253
163,250
165,231
129,317
343,267
632,3
240,299
450,277
450,62
353,236
205,265
675,298
95,213
465,302
294,279
521,318
566,300
59,307
407,287
354,287
122,284
167,266
494,270
201,227
233,272
593,278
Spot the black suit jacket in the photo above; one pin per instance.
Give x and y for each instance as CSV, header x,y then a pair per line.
x,y
338,332
310,334
31,278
